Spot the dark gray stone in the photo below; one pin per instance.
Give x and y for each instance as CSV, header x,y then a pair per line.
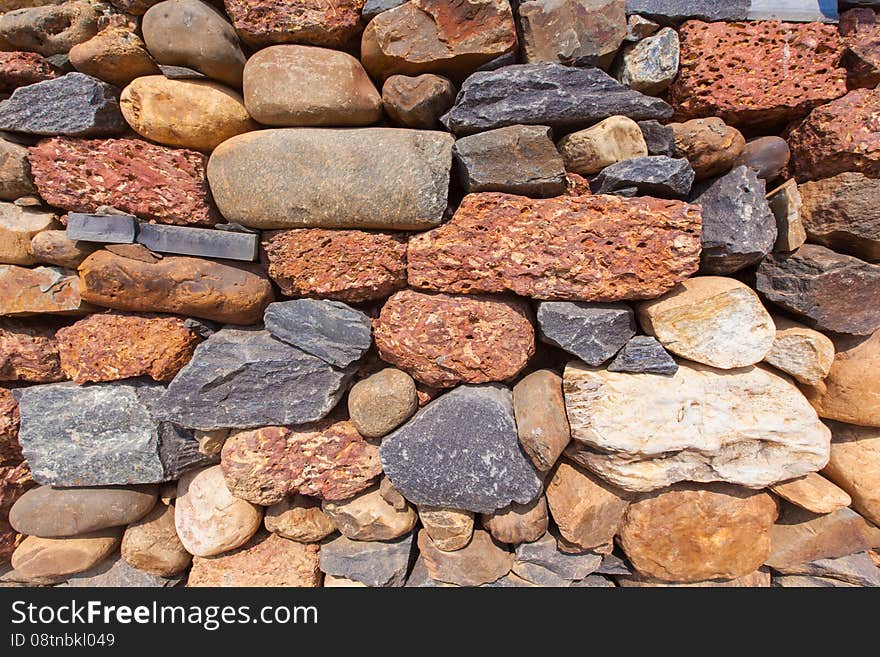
x,y
331,330
545,554
593,582
116,572
613,565
643,355
374,563
654,175
181,73
538,575
517,159
203,242
419,577
243,378
74,105
593,332
558,96
738,226
461,451
104,228
659,138
677,11
856,569
102,435
373,8
794,11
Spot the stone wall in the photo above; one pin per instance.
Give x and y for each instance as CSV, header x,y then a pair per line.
x,y
439,293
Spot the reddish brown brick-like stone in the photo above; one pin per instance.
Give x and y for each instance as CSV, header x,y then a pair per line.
x,y
843,135
10,450
345,265
166,185
14,482
860,29
18,69
588,248
315,22
442,340
28,352
756,73
113,346
328,459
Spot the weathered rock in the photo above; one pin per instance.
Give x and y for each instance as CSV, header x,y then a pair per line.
x,y
461,451
211,442
442,340
767,156
374,563
114,572
638,28
18,69
804,581
151,544
841,213
615,139
860,30
855,466
153,182
653,175
10,450
854,570
54,512
327,459
518,523
264,22
542,557
812,492
650,65
449,529
592,332
785,203
587,510
28,352
108,347
427,36
48,290
292,85
803,353
345,265
115,55
15,172
710,145
756,74
373,8
827,290
369,517
49,558
575,32
837,137
546,94
108,229
676,11
209,519
659,138
50,30
74,105
382,402
712,320
584,248
481,561
194,34
643,355
759,579
690,533
517,159
417,101
541,423
386,178
801,536
267,560
14,481
299,518
102,435
202,242
192,114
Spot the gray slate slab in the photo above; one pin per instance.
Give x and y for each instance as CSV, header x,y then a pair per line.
x,y
202,242
374,563
794,11
593,332
104,228
676,11
643,355
653,175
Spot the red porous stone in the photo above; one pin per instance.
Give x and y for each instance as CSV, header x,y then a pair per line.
x,y
860,29
315,22
10,450
166,185
14,482
28,352
18,69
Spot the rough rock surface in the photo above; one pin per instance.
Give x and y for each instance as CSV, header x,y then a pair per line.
x,y
49,30
748,426
382,402
710,145
264,22
46,290
19,69
299,518
10,450
650,65
374,563
541,562
449,529
592,332
417,101
852,570
14,481
659,138
653,175
518,523
559,248
369,517
28,352
114,572
15,172
676,11
615,139
480,562
151,544
805,354
813,492
860,30
643,355
785,203
541,422
855,466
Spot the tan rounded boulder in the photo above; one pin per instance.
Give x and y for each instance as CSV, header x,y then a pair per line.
x,y
151,544
518,523
382,402
115,55
369,517
18,226
49,558
184,113
588,151
801,352
449,529
299,518
293,85
710,145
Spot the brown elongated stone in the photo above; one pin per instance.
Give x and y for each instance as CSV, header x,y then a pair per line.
x,y
813,492
584,248
57,557
541,422
14,481
28,352
10,450
48,290
481,561
860,30
854,465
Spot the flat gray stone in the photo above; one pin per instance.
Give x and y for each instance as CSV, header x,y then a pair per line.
x,y
545,554
593,582
419,577
243,378
374,563
653,175
856,569
102,435
461,451
116,572
74,105
203,242
613,565
677,11
659,138
104,228
546,94
794,11
643,355
593,332
331,330
181,73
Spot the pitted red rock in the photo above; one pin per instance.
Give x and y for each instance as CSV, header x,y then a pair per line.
x,y
19,69
860,29
28,352
10,450
315,22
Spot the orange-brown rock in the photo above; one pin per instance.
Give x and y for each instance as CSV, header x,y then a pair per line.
x,y
315,22
299,518
188,286
344,265
327,459
15,480
812,492
19,69
116,55
10,450
541,421
151,544
443,340
860,29
688,533
438,36
49,558
112,346
756,73
584,248
49,290
480,562
854,465
266,560
758,579
28,352
518,523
